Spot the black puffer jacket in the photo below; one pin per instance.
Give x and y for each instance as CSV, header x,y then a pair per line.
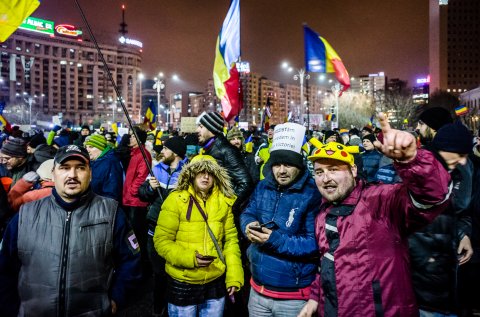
x,y
231,159
433,250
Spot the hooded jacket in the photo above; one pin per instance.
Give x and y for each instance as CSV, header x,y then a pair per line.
x,y
107,176
287,259
229,157
179,234
363,241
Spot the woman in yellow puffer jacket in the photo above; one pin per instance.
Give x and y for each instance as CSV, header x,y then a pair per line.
x,y
198,279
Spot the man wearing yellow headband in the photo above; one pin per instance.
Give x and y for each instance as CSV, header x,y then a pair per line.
x,y
362,230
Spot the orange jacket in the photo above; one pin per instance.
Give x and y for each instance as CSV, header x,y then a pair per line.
x,y
22,193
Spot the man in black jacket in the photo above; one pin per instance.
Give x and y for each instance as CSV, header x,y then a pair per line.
x,y
210,137
437,251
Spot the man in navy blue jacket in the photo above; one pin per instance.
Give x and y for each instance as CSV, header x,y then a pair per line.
x,y
70,253
279,221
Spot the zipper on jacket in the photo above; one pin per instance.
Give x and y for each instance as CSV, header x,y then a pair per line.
x,y
276,204
63,265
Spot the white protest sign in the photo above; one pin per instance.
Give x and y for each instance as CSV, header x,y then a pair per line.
x,y
288,136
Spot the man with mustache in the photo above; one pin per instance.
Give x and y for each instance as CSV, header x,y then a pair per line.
x,y
283,253
362,229
213,142
71,253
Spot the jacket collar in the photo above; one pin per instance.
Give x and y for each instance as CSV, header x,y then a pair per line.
x,y
75,204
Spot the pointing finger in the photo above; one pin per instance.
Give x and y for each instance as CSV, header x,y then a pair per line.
x,y
384,125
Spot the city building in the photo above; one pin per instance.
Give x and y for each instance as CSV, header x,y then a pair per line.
x,y
454,48
374,85
56,72
471,99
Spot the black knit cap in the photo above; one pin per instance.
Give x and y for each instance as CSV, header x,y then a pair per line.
x,y
454,138
213,121
15,147
371,137
286,157
436,117
36,140
177,145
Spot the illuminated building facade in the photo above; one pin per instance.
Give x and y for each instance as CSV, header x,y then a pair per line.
x,y
454,52
63,74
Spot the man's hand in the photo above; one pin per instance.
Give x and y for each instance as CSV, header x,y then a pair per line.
x,y
247,229
309,309
397,145
114,307
465,250
202,262
257,236
153,182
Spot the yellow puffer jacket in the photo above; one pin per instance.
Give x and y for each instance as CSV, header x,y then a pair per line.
x,y
176,239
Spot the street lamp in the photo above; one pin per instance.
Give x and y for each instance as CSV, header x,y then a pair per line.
x,y
141,77
159,85
300,75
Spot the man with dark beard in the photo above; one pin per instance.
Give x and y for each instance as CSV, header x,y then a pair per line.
x,y
165,179
430,121
362,230
213,142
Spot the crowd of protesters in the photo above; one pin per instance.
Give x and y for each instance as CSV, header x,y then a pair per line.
x,y
367,221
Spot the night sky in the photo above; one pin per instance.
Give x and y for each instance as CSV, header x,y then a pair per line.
x,y
180,35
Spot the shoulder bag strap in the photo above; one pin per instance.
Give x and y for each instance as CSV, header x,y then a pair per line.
x,y
212,236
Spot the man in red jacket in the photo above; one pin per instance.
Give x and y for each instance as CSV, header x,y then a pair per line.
x,y
136,209
362,230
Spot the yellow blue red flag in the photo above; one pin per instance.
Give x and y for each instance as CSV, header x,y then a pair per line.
x,y
225,73
12,14
461,110
150,115
249,144
320,57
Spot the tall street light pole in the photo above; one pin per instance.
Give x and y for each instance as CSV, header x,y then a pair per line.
x,y
159,85
336,91
301,76
141,77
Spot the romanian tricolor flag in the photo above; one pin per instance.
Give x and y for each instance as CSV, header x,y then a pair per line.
x,y
12,14
150,115
320,57
267,114
461,110
305,145
225,73
330,117
249,144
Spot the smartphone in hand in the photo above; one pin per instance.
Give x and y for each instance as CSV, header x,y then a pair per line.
x,y
208,257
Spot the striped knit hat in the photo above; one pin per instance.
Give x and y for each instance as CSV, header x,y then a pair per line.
x,y
96,140
213,121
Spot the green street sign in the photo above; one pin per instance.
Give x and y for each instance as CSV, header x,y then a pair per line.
x,y
38,25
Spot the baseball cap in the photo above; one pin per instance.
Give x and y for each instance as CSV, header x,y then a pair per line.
x,y
71,151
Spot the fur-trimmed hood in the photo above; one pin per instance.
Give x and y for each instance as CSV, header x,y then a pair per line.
x,y
220,175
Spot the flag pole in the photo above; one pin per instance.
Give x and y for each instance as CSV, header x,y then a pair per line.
x,y
117,91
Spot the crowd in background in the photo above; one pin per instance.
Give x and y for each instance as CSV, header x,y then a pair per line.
x,y
225,222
